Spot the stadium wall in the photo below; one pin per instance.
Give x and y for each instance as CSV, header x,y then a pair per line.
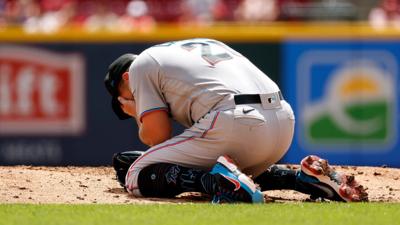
x,y
54,109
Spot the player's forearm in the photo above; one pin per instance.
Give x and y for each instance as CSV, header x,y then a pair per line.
x,y
152,140
153,137
145,140
142,135
155,127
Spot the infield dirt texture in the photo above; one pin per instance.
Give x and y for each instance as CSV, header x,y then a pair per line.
x,y
29,184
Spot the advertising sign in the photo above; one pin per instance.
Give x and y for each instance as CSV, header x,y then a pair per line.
x,y
41,92
345,96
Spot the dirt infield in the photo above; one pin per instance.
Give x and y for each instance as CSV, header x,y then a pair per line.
x,y
27,184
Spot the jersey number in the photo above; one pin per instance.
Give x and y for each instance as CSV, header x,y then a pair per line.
x,y
207,52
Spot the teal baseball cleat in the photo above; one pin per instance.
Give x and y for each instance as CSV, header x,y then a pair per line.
x,y
234,186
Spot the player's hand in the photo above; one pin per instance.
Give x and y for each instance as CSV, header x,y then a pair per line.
x,y
128,106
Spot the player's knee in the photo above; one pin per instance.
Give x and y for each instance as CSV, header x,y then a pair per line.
x,y
159,180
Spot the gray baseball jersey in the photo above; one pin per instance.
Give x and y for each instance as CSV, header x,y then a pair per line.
x,y
195,81
190,78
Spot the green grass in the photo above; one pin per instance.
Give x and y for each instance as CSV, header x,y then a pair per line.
x,y
173,214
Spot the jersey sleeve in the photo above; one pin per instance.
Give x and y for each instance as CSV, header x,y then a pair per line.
x,y
145,81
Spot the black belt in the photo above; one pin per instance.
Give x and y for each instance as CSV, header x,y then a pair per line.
x,y
251,99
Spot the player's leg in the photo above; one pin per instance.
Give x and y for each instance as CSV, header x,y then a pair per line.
x,y
266,142
279,177
316,178
192,154
273,145
224,182
169,180
316,173
277,136
163,179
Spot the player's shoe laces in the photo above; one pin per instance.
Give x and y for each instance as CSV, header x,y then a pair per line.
x,y
330,184
233,185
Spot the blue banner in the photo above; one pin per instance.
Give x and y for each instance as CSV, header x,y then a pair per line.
x,y
345,95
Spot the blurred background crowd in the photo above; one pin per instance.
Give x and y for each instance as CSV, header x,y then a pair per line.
x,y
142,15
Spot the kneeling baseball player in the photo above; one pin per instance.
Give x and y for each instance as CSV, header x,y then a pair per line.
x,y
236,120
